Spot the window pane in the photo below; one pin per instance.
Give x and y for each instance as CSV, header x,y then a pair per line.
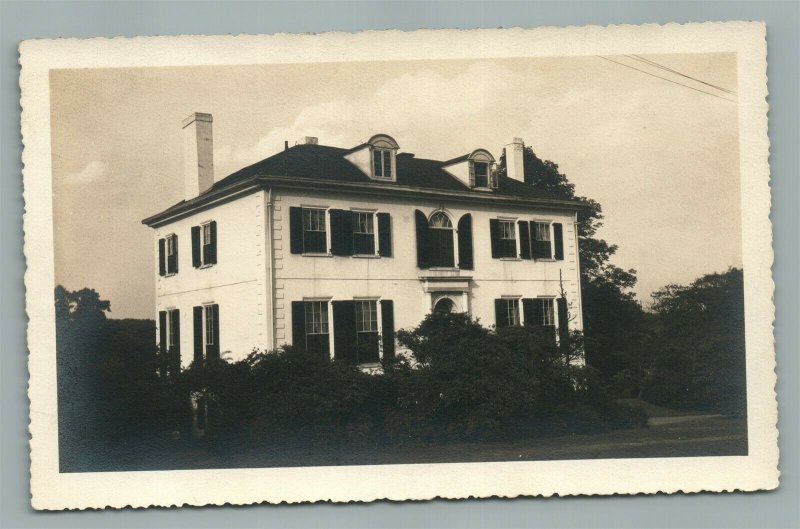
x,y
387,164
377,162
209,317
542,231
364,223
440,220
481,174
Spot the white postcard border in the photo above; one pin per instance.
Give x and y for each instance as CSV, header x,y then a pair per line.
x,y
758,470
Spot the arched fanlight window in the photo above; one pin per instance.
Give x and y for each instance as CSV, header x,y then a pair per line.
x,y
444,306
440,220
442,248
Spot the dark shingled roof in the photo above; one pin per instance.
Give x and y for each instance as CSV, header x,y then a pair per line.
x,y
328,163
321,162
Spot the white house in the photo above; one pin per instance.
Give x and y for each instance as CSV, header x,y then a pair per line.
x,y
335,248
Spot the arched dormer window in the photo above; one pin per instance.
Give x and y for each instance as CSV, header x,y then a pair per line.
x,y
482,170
384,150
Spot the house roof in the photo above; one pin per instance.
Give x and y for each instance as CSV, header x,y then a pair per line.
x,y
323,164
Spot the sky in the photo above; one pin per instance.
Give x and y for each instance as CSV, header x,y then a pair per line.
x,y
662,159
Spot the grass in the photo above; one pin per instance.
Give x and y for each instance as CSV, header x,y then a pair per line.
x,y
683,435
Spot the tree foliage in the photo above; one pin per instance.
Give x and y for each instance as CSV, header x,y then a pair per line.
x,y
697,351
111,403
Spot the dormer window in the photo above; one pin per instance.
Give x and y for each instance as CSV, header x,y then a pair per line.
x,y
482,171
382,163
384,151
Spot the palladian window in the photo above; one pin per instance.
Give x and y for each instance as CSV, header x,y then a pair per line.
x,y
441,241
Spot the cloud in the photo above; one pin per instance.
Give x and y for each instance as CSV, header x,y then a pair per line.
x,y
94,172
397,108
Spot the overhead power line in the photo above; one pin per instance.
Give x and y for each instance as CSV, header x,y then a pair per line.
x,y
668,69
668,80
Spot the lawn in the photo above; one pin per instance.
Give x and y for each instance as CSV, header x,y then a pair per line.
x,y
669,434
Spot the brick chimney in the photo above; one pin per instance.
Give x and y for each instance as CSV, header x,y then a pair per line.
x,y
515,168
198,155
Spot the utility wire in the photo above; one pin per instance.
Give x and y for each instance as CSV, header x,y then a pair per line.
x,y
667,68
668,80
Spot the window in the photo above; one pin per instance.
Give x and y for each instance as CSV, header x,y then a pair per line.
x,y
545,312
206,332
508,239
314,234
363,233
170,341
172,329
317,329
209,326
172,254
367,332
207,243
441,247
507,312
382,163
444,306
542,246
481,174
204,244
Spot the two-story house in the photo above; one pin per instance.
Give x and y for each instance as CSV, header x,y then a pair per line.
x,y
333,249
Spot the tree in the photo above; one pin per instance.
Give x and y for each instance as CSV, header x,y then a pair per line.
x,y
612,317
698,352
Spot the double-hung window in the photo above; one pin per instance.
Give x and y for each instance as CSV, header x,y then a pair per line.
x,y
363,233
544,315
542,245
314,231
206,332
317,328
382,163
508,239
367,331
172,254
481,170
507,312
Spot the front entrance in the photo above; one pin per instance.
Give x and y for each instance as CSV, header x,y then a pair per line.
x,y
444,306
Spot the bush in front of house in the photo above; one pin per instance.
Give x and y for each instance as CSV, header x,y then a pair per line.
x,y
462,382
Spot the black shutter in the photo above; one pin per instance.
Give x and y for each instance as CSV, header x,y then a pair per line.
x,y
494,235
296,230
341,232
175,353
215,348
465,261
162,331
196,262
213,249
162,343
558,237
384,235
162,268
344,331
387,323
563,321
299,324
500,314
197,318
175,254
529,311
423,259
524,240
